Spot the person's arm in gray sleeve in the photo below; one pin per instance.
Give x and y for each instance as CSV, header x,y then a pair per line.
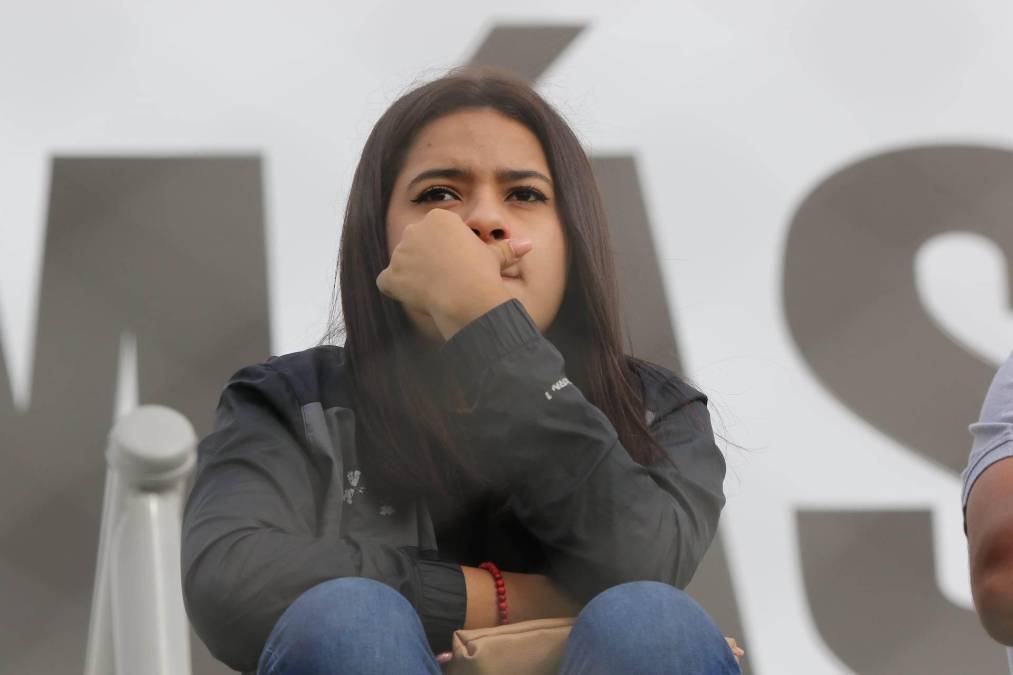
x,y
250,543
602,518
988,508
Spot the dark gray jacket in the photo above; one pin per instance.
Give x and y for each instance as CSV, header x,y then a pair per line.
x,y
280,504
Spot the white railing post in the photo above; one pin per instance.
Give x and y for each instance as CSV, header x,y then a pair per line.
x,y
138,623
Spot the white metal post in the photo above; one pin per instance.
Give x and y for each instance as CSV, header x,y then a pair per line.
x,y
138,622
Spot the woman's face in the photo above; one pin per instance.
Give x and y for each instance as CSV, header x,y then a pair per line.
x,y
473,150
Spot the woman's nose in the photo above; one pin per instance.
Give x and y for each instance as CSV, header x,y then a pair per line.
x,y
486,219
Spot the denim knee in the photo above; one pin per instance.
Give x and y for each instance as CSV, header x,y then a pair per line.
x,y
656,621
352,604
643,607
341,620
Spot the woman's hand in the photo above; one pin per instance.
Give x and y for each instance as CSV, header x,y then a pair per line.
x,y
439,263
734,646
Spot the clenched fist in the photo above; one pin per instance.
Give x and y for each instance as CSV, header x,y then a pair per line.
x,y
439,264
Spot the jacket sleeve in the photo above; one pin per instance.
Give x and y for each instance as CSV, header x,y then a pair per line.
x,y
250,543
602,518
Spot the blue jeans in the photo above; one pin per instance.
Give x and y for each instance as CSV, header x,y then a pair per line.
x,y
359,626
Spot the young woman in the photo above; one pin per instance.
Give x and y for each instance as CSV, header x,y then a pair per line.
x,y
480,450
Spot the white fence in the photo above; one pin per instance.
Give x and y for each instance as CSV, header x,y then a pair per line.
x,y
138,623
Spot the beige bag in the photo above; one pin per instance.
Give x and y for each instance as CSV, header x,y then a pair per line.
x,y
525,648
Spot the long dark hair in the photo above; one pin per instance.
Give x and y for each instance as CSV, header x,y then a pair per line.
x,y
402,432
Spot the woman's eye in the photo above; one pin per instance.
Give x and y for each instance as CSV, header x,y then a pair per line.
x,y
433,191
530,195
524,194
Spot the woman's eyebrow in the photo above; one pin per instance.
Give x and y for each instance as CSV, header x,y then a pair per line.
x,y
502,175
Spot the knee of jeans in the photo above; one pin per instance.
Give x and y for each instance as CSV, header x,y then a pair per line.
x,y
642,607
335,617
349,603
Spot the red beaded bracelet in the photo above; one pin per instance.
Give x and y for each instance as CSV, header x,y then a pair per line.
x,y
501,601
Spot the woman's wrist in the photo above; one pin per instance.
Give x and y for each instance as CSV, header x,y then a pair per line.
x,y
451,318
481,609
530,596
553,601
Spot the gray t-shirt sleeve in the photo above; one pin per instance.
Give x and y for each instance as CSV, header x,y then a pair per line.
x,y
993,432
